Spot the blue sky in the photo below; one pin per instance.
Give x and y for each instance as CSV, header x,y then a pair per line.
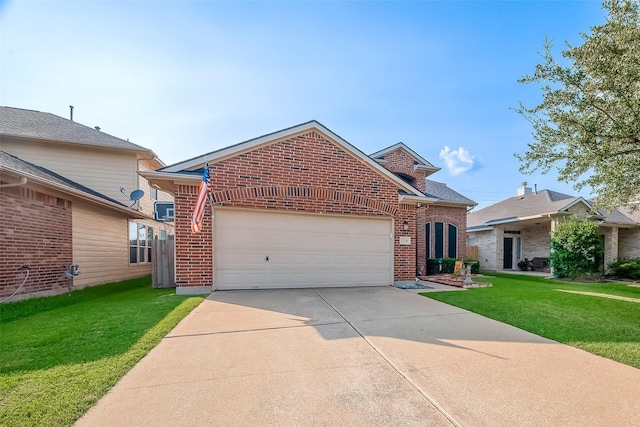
x,y
187,77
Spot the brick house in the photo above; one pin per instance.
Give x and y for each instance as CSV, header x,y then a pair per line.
x,y
302,207
518,227
62,204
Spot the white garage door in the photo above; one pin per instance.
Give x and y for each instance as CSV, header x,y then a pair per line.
x,y
259,250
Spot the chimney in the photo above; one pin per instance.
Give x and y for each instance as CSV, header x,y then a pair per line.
x,y
523,190
71,108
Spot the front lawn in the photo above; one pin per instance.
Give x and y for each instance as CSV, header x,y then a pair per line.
x,y
59,355
601,318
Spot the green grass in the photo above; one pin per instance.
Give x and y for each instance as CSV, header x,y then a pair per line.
x,y
59,355
599,325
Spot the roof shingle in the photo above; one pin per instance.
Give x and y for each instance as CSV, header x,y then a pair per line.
x,y
46,126
441,191
541,202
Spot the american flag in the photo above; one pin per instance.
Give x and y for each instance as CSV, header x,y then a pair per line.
x,y
198,210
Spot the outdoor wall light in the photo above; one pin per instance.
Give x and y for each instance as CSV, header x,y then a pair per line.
x,y
405,226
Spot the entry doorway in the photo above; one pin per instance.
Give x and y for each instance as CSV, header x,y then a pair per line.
x,y
507,262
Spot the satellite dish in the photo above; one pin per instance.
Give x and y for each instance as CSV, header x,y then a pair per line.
x,y
136,195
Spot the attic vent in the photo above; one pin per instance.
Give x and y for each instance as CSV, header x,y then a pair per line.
x,y
97,128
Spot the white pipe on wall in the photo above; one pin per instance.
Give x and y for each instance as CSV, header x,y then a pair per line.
x,y
23,181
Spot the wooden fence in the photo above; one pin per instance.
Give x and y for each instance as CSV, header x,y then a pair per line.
x,y
472,252
163,264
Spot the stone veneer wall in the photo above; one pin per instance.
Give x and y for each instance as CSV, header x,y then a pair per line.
x,y
629,243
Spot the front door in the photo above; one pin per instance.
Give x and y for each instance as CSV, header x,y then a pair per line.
x,y
507,263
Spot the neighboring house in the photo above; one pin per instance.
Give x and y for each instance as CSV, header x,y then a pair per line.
x,y
520,226
62,204
304,208
629,237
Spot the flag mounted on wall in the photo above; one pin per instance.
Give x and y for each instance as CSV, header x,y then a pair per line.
x,y
198,210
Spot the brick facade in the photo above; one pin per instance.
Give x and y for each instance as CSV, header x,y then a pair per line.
x,y
447,215
309,172
629,243
36,231
303,173
402,163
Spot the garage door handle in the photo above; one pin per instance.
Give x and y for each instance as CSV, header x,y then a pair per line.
x,y
266,259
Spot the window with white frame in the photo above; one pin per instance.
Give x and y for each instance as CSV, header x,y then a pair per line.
x,y
140,237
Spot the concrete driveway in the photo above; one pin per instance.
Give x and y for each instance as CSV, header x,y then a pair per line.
x,y
362,357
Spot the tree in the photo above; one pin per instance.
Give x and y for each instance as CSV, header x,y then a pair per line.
x,y
588,123
576,248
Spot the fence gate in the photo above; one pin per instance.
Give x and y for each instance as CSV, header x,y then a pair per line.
x,y
162,263
473,252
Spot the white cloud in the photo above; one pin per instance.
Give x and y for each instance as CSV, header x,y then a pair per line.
x,y
457,161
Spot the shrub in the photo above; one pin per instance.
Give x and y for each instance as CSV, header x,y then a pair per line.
x,y
626,268
576,248
448,265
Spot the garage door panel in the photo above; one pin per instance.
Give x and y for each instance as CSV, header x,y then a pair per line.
x,y
303,250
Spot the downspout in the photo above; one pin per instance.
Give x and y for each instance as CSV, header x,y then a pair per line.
x,y
22,182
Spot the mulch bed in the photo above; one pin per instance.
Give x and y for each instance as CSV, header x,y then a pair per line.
x,y
451,280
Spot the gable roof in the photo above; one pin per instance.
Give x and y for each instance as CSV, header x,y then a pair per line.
x,y
441,192
621,216
542,203
31,124
522,207
420,162
629,214
38,174
186,168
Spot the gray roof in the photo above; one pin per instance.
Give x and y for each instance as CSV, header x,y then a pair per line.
x,y
442,192
632,215
46,126
12,163
541,202
623,215
620,216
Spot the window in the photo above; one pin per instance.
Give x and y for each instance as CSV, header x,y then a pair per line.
x,y
154,193
452,230
149,239
471,240
140,237
428,239
439,236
